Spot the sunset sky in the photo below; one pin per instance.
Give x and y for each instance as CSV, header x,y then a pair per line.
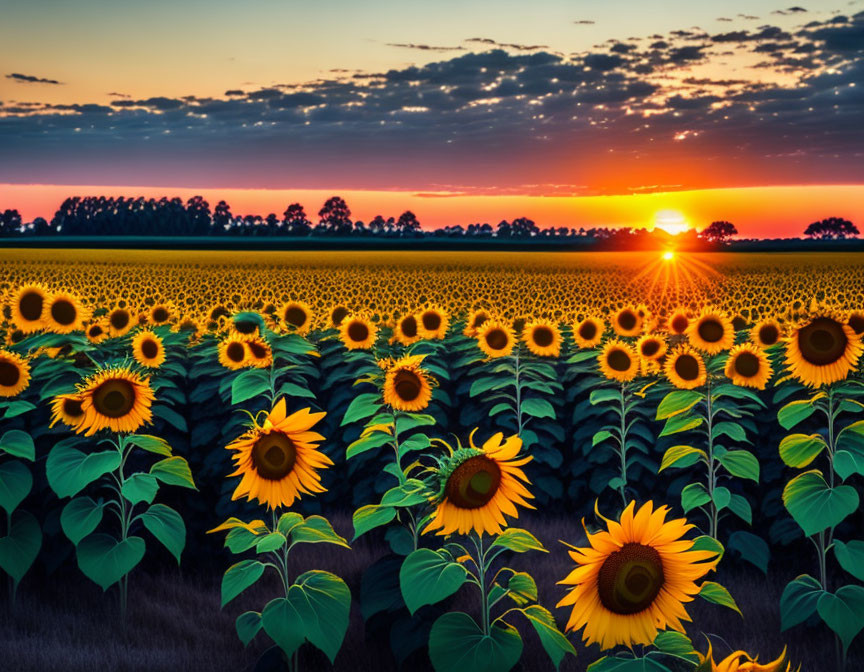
x,y
571,113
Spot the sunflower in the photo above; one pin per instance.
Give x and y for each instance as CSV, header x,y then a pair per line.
x,y
734,663
260,353
406,385
684,368
711,332
627,321
739,322
475,320
495,338
68,409
148,350
651,346
748,366
678,321
115,398
766,333
298,316
589,332
823,349
28,307
14,374
477,487
432,323
97,331
160,313
120,322
338,314
405,330
233,353
618,361
634,578
279,459
63,313
543,338
856,321
357,332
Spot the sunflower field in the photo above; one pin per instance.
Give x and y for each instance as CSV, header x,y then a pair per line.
x,y
685,422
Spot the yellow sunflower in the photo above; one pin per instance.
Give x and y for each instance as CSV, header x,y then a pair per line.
x,y
856,321
358,333
338,314
627,321
618,361
711,332
233,353
477,487
160,313
64,313
14,374
405,330
260,353
543,338
475,320
280,458
68,409
407,386
678,322
685,368
495,338
766,333
748,366
28,307
115,398
741,661
651,346
298,316
432,323
823,349
589,332
148,349
634,578
97,332
120,322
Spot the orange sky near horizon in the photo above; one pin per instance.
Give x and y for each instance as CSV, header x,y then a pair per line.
x,y
758,212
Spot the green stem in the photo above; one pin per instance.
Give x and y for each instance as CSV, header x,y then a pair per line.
x,y
518,409
481,575
125,518
622,489
713,517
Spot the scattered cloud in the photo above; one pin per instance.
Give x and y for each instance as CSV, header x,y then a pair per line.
x,y
30,79
423,47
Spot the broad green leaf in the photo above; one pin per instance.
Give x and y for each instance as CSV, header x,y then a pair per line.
x,y
105,561
677,402
794,412
238,577
249,384
248,624
409,493
371,516
174,471
694,495
676,644
846,463
18,444
680,423
741,463
798,602
522,587
270,542
456,642
741,508
843,612
850,555
427,577
722,497
167,526
152,444
284,625
553,640
413,444
323,603
368,442
713,592
681,456
518,540
814,505
600,436
538,408
799,450
20,546
731,429
362,406
753,549
706,543
139,488
316,530
69,470
622,664
80,517
601,395
287,522
16,481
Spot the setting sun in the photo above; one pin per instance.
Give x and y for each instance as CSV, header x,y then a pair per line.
x,y
672,222
669,255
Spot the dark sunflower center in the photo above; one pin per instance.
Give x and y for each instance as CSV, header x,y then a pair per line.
x,y
407,385
409,326
245,326
738,323
543,336
479,320
431,320
258,350
95,331
338,315
587,330
274,456
627,319
149,348
30,305
17,336
473,483
746,364
358,332
687,367
235,352
296,316
822,342
710,330
9,374
160,315
857,323
119,319
218,312
497,339
114,398
72,408
679,324
63,312
618,360
630,579
768,334
650,348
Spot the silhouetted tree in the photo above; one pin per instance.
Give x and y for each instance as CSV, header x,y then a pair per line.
x,y
334,217
221,218
296,221
718,232
199,216
407,224
10,223
831,228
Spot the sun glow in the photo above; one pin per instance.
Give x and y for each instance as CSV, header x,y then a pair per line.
x,y
668,255
672,222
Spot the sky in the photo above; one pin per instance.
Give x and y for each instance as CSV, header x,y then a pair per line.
x,y
571,113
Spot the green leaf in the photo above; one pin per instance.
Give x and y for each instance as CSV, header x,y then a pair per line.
x,y
538,408
105,561
733,430
413,444
369,442
167,526
140,488
249,384
676,644
427,577
680,423
553,640
174,471
843,612
850,555
456,642
288,521
16,481
362,406
294,390
20,546
18,444
16,408
798,602
80,517
741,508
799,450
371,516
518,540
248,624
316,530
601,395
600,436
408,421
814,505
713,592
751,548
722,497
706,543
847,463
69,470
741,463
152,444
284,625
522,587
681,456
621,664
677,402
694,495
409,493
238,577
270,542
794,412
486,384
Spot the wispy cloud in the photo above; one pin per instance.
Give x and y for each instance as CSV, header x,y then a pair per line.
x,y
30,79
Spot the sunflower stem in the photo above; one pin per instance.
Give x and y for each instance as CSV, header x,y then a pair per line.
x,y
622,489
477,539
518,409
712,471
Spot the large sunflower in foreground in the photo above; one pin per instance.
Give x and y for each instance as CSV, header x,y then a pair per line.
x,y
357,333
741,661
28,307
115,398
68,409
618,361
685,368
64,313
748,366
148,350
406,385
711,332
477,487
634,578
589,332
627,321
495,338
432,323
823,349
14,374
279,459
542,337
